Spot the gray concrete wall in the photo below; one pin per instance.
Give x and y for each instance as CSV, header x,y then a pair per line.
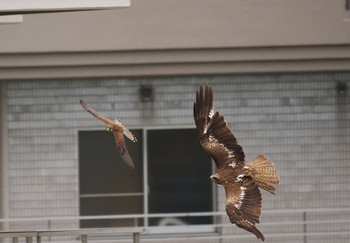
x,y
298,120
169,24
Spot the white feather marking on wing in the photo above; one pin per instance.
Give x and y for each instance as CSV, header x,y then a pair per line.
x,y
230,152
239,178
211,113
238,205
212,139
232,164
213,142
207,126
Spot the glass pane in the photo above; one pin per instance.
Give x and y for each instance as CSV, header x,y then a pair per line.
x,y
178,172
101,169
111,205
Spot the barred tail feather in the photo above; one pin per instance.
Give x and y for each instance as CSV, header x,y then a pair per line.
x,y
263,173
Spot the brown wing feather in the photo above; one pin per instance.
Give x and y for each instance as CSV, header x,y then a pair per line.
x,y
89,109
215,136
243,205
94,113
124,153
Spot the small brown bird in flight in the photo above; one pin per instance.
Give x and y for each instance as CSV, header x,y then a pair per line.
x,y
240,180
119,130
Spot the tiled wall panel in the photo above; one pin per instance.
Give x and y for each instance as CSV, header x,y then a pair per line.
x,y
299,120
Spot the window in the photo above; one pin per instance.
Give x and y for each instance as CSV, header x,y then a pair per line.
x,y
107,185
175,180
178,175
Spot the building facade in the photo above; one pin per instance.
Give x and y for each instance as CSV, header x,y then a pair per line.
x,y
280,73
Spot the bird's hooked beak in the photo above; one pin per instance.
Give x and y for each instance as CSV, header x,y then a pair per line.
x,y
215,179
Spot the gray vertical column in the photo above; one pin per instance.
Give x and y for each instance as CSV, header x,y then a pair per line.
x,y
4,203
145,178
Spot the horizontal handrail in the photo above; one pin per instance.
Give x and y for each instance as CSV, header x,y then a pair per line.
x,y
192,229
83,233
90,231
162,215
260,224
243,236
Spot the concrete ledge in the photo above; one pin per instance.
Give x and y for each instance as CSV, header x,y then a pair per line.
x,y
10,7
174,62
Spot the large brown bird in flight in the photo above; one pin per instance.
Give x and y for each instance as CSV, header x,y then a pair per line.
x,y
240,180
119,130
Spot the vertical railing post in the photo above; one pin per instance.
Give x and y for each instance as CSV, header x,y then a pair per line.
x,y
305,227
49,227
29,239
14,240
84,239
136,237
38,239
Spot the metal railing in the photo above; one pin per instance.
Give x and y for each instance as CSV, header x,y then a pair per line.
x,y
304,219
82,233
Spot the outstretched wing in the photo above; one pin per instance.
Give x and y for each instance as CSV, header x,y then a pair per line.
x,y
124,153
243,205
94,113
215,136
89,109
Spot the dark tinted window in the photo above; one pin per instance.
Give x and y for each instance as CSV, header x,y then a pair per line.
x,y
178,174
104,178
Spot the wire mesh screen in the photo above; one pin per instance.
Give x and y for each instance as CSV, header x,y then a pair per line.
x,y
300,121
